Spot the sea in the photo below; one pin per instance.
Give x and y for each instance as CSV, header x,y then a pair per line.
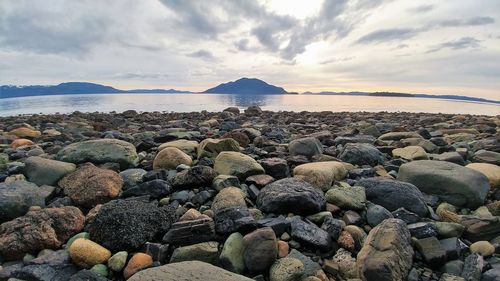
x,y
189,102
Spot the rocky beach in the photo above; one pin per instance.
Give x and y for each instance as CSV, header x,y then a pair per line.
x,y
250,195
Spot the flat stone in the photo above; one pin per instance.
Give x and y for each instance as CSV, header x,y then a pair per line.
x,y
206,252
310,235
190,232
432,251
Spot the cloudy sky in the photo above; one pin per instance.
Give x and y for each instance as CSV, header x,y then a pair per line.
x,y
433,46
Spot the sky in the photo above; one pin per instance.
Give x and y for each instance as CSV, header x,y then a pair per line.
x,y
434,46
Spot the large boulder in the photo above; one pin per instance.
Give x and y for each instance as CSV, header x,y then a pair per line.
x,y
393,194
291,195
100,151
321,174
39,229
491,171
453,183
46,171
309,147
90,185
212,147
361,154
127,224
171,157
187,271
236,164
387,253
18,196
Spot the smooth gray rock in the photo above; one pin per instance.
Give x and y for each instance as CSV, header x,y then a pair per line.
x,y
42,171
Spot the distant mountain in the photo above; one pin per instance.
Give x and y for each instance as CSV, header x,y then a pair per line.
x,y
70,88
246,86
406,95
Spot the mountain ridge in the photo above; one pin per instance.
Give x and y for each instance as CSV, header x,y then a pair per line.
x,y
246,86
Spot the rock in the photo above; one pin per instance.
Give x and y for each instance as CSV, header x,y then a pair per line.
x,y
392,195
253,110
421,230
99,152
229,197
346,264
290,195
222,181
132,177
387,253
280,225
450,277
361,154
86,253
100,269
236,164
395,136
117,261
190,232
24,132
276,167
89,185
138,262
473,267
212,147
411,152
84,235
44,272
127,224
405,215
309,147
484,248
232,219
18,196
187,271
283,249
197,176
453,183
485,156
155,189
351,198
449,229
376,214
206,252
43,171
39,229
171,157
231,257
286,269
321,174
477,229
187,146
311,268
492,172
21,142
260,249
432,251
309,235
333,227
238,136
52,258
451,156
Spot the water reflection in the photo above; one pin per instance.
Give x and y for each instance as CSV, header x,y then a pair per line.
x,y
245,100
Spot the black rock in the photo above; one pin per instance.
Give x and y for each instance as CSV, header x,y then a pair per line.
x,y
197,176
393,194
234,219
190,232
291,195
155,189
280,225
405,215
181,196
87,275
276,167
421,230
125,225
333,227
202,197
310,235
156,174
45,272
473,267
432,251
453,247
157,251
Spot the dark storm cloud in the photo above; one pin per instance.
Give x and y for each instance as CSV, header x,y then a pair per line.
x,y
202,54
462,43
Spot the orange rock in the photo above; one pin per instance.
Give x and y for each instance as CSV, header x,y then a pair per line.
x,y
282,249
138,262
346,241
24,132
20,142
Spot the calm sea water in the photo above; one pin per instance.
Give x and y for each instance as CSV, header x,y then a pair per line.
x,y
217,102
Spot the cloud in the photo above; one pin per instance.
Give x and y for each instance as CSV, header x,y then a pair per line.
x,y
335,60
475,21
202,54
140,75
421,9
385,35
462,43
